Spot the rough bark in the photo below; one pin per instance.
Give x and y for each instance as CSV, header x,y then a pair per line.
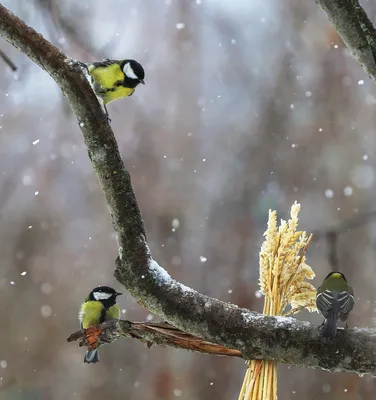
x,y
281,339
356,30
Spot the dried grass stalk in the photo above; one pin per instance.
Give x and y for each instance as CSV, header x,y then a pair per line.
x,y
283,274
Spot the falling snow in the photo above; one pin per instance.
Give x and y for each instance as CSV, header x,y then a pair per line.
x,y
46,311
326,388
329,193
220,142
46,288
363,176
27,180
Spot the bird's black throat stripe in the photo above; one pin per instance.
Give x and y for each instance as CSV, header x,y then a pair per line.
x,y
103,315
107,303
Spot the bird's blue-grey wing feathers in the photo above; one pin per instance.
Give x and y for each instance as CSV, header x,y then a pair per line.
x,y
324,300
346,302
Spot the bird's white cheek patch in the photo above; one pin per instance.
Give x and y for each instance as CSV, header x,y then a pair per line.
x,y
128,71
102,296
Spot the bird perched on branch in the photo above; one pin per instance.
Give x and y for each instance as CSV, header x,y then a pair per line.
x,y
114,79
334,299
98,307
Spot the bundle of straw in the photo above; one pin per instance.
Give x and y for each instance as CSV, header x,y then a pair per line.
x,y
283,271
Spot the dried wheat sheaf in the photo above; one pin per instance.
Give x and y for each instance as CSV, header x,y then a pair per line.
x,y
283,274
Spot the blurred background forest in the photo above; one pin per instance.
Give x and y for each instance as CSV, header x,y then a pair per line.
x,y
247,106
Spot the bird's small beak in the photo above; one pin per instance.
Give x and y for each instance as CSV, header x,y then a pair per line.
x,y
118,294
141,81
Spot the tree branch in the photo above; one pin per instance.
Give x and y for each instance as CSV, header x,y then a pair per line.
x,y
282,339
356,30
159,333
255,336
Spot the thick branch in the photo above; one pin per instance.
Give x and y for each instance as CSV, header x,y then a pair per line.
x,y
356,30
256,336
351,351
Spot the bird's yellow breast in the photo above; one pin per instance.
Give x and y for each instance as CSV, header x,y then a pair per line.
x,y
106,76
108,81
118,93
113,312
91,312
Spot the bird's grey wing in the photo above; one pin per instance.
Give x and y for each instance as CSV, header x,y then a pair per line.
x,y
105,63
324,301
346,302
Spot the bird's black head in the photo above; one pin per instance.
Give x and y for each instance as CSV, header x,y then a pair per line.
x,y
134,73
336,274
105,295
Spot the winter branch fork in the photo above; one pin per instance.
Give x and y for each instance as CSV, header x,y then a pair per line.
x,y
195,321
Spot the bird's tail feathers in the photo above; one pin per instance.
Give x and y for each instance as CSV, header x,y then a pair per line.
x,y
330,325
91,356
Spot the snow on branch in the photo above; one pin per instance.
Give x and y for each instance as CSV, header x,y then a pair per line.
x,y
274,338
256,336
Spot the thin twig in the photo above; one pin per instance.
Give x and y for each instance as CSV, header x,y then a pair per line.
x,y
347,225
332,235
8,61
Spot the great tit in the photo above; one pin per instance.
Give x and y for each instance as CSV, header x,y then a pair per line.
x,y
98,307
114,79
334,299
